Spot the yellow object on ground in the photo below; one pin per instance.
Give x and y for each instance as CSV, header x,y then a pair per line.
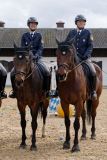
x,y
61,113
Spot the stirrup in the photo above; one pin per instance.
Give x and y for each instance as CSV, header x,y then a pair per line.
x,y
53,93
12,94
3,95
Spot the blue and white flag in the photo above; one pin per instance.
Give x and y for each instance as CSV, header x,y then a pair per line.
x,y
53,104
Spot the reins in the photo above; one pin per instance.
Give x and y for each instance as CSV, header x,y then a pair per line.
x,y
31,72
26,74
64,64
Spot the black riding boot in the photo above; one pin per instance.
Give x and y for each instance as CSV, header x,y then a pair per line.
x,y
93,88
13,93
46,84
3,93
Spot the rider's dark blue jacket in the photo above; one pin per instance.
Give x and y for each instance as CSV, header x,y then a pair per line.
x,y
83,42
35,41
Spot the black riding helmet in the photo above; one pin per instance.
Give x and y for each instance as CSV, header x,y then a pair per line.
x,y
31,20
79,18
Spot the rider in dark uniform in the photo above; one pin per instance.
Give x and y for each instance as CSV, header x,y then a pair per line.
x,y
83,42
34,38
3,77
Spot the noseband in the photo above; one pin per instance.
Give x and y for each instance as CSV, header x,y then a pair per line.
x,y
20,73
64,65
25,74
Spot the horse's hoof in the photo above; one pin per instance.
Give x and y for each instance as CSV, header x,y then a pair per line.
x,y
33,148
93,137
75,148
83,138
22,146
66,145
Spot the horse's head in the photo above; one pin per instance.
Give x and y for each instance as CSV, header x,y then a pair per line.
x,y
22,64
65,58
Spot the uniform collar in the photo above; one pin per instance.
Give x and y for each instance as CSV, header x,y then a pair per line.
x,y
80,30
32,32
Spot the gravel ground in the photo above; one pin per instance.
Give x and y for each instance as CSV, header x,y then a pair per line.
x,y
50,148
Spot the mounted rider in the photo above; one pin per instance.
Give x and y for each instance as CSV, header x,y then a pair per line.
x,y
83,42
34,38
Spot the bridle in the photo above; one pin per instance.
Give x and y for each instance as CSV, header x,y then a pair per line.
x,y
66,47
64,65
70,69
25,74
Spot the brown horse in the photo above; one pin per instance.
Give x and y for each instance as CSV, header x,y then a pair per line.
x,y
0,102
73,89
29,91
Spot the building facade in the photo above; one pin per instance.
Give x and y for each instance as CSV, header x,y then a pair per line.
x,y
10,35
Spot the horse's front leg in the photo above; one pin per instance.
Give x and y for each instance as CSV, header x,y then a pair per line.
x,y
78,108
65,108
23,125
34,113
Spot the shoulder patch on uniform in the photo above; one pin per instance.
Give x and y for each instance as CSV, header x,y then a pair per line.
x,y
91,37
42,41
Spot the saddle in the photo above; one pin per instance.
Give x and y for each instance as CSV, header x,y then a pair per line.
x,y
45,75
40,70
43,71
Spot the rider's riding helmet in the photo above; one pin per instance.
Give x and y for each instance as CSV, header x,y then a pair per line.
x,y
79,18
32,20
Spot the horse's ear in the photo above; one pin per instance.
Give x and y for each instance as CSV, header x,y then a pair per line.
x,y
57,41
15,46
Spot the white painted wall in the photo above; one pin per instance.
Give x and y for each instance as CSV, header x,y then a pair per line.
x,y
104,68
51,61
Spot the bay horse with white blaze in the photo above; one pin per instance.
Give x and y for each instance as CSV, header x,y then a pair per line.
x,y
73,89
29,91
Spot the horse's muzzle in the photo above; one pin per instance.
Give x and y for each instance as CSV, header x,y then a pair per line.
x,y
19,83
19,80
61,74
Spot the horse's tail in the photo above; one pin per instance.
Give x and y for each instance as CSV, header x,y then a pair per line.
x,y
89,110
40,110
